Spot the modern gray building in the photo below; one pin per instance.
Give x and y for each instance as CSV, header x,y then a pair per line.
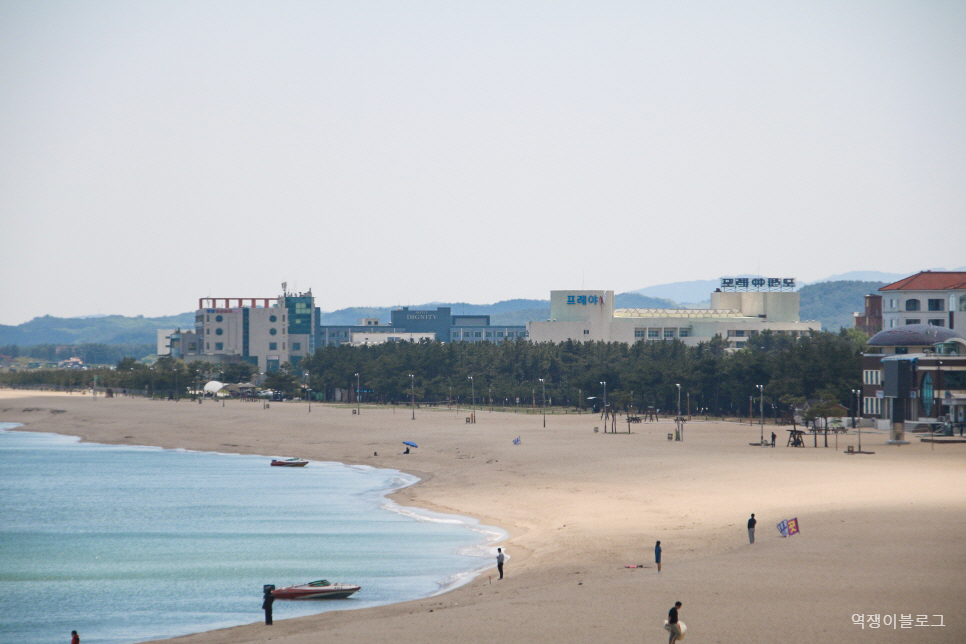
x,y
441,321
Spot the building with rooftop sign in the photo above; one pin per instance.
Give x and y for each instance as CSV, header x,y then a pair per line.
x,y
740,309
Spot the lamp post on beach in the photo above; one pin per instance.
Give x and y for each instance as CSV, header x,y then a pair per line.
x,y
358,408
604,382
412,393
472,391
858,400
857,392
761,393
544,385
678,385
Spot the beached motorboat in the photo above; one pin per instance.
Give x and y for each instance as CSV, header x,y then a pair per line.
x,y
321,589
291,462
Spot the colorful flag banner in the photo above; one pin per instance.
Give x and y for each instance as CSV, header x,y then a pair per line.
x,y
788,527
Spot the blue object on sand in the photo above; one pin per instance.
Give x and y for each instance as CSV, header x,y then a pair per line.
x,y
410,443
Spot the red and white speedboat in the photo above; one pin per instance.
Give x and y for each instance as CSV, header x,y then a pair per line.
x,y
290,462
321,589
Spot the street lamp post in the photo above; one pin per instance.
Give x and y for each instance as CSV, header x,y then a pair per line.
x,y
678,385
761,403
858,401
472,391
412,393
604,382
358,407
308,391
544,385
858,393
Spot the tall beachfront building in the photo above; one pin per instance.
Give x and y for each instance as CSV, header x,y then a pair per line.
x,y
266,332
740,309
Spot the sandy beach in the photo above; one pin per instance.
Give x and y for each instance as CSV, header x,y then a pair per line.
x,y
880,534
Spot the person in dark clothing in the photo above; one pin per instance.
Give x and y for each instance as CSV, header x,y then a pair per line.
x,y
74,637
672,622
751,528
657,555
773,437
267,604
499,561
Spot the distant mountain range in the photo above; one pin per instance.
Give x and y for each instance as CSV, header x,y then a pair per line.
x,y
830,301
699,291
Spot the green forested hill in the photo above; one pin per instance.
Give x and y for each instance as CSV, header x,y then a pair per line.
x,y
833,303
109,329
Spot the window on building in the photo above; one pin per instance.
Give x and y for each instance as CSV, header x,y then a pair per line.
x,y
937,322
499,334
670,333
296,346
935,305
654,333
912,305
207,346
684,333
489,334
219,346
913,321
640,333
218,318
272,331
954,379
739,333
273,346
893,323
902,350
272,318
893,303
219,331
478,334
283,346
586,331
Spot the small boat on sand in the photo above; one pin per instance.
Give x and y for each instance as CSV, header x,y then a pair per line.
x,y
290,462
321,589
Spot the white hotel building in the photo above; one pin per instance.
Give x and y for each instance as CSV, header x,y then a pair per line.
x,y
734,315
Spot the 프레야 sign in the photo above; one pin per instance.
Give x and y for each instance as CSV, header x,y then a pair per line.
x,y
585,299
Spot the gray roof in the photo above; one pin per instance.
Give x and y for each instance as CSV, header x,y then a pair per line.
x,y
913,335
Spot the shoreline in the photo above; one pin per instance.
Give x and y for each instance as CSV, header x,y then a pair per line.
x,y
478,539
879,533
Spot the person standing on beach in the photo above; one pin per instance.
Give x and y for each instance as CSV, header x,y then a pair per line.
x,y
657,555
499,561
751,528
672,623
773,437
74,637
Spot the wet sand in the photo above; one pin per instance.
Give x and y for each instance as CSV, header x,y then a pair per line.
x,y
880,534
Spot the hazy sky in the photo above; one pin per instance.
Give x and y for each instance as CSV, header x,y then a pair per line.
x,y
385,153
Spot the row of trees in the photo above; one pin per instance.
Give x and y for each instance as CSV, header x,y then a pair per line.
x,y
166,376
823,365
91,352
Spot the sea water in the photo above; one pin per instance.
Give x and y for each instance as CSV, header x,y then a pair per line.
x,y
127,544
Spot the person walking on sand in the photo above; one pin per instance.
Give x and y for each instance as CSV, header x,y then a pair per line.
x,y
672,623
773,437
74,637
751,528
657,555
499,561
